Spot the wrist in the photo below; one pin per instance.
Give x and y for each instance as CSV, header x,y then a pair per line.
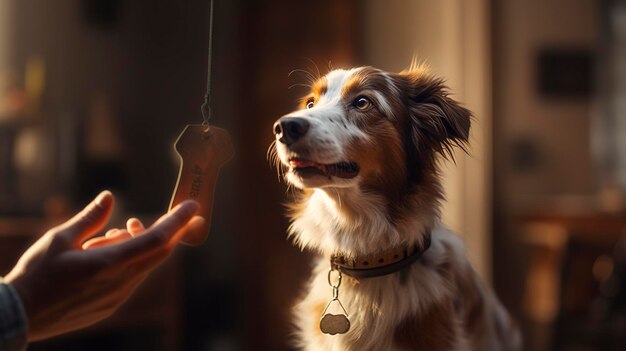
x,y
13,319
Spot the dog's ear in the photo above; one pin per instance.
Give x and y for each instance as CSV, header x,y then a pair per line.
x,y
436,121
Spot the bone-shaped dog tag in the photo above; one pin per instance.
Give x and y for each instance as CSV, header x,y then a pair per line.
x,y
202,153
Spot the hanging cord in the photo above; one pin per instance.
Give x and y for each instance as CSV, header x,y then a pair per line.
x,y
206,105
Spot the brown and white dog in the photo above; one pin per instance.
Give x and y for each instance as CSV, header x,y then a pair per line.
x,y
364,149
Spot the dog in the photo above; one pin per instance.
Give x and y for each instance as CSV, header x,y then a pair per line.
x,y
364,150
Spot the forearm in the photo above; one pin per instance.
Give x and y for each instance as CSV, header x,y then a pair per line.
x,y
12,320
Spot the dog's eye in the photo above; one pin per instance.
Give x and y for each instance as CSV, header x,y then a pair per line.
x,y
310,103
362,103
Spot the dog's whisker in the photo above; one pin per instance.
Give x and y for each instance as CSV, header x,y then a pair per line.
x,y
270,149
273,159
297,70
310,77
271,153
319,75
280,170
299,85
338,198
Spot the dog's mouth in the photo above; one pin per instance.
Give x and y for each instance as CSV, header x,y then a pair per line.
x,y
306,168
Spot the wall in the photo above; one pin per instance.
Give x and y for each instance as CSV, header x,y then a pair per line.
x,y
541,145
452,36
558,128
5,25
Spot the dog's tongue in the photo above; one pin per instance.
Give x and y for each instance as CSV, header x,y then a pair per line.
x,y
309,164
302,163
341,170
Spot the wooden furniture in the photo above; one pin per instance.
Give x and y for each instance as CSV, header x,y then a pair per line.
x,y
571,255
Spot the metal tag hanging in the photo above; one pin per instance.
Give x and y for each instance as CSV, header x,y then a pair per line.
x,y
333,324
203,150
202,153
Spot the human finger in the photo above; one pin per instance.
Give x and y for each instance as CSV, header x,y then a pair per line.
x,y
159,235
102,241
194,229
135,226
111,232
149,261
152,260
88,221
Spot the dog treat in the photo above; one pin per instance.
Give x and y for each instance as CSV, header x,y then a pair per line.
x,y
202,153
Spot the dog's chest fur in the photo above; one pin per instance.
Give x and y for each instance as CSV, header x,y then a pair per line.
x,y
378,307
437,303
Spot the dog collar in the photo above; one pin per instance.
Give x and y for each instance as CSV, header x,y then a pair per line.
x,y
383,263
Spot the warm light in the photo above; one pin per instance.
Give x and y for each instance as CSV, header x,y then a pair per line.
x,y
603,268
35,80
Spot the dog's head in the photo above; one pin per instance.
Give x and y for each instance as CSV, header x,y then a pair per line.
x,y
370,129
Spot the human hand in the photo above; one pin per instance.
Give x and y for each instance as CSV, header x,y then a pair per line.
x,y
67,284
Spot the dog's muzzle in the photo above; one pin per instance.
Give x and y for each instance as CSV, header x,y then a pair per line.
x,y
290,129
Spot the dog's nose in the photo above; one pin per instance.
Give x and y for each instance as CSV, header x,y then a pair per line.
x,y
290,129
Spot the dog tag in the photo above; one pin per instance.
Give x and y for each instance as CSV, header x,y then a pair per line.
x,y
202,152
333,324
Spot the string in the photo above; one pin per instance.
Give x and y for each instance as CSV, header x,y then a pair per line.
x,y
206,105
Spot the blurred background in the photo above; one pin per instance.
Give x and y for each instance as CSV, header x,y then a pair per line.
x,y
94,92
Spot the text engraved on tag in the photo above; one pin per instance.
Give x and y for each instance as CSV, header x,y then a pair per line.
x,y
196,184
